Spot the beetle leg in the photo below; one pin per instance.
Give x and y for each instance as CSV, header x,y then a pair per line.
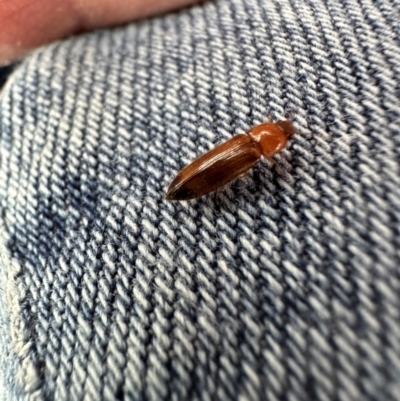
x,y
270,159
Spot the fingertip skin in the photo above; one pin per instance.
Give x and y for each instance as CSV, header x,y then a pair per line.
x,y
215,168
26,24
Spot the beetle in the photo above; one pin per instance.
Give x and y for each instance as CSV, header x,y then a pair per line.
x,y
229,160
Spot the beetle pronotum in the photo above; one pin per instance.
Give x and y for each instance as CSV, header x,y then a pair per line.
x,y
229,160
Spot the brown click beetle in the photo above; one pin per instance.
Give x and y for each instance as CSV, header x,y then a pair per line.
x,y
229,160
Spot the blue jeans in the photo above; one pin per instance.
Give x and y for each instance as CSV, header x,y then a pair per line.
x,y
285,285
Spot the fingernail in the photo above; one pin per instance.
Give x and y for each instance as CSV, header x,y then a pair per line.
x,y
9,53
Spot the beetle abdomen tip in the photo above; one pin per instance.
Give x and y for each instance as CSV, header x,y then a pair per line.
x,y
179,192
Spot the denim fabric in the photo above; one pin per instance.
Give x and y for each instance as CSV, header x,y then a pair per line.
x,y
283,286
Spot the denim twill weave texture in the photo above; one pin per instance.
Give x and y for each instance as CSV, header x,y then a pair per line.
x,y
284,286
